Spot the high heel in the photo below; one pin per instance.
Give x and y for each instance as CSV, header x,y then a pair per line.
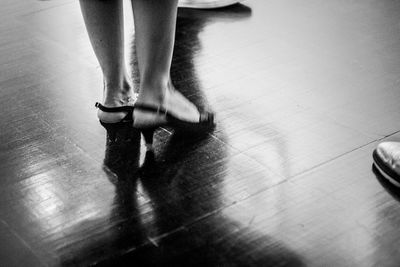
x,y
148,135
127,118
123,126
206,122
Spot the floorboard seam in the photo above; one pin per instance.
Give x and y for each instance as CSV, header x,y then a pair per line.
x,y
342,155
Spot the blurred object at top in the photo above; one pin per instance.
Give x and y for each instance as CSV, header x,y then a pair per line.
x,y
206,4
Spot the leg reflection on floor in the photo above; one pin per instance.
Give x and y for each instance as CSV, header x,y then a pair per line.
x,y
167,210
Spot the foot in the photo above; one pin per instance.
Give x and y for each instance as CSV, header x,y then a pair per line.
x,y
171,100
116,98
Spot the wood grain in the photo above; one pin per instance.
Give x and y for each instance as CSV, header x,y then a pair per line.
x,y
303,92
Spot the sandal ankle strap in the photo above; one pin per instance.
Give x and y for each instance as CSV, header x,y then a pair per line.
x,y
114,109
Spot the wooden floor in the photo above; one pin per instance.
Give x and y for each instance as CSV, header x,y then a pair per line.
x,y
303,92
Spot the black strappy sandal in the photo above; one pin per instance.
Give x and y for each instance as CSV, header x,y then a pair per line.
x,y
206,122
125,120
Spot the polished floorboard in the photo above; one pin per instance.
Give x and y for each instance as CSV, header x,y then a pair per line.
x,y
303,91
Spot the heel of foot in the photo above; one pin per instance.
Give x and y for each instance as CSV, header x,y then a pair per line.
x,y
108,117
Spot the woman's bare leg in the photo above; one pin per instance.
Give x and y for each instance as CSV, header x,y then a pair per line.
x,y
104,23
155,24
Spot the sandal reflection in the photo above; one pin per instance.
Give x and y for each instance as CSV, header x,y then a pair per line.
x,y
167,210
172,206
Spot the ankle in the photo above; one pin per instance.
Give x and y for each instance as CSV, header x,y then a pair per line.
x,y
117,78
152,92
124,85
117,94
